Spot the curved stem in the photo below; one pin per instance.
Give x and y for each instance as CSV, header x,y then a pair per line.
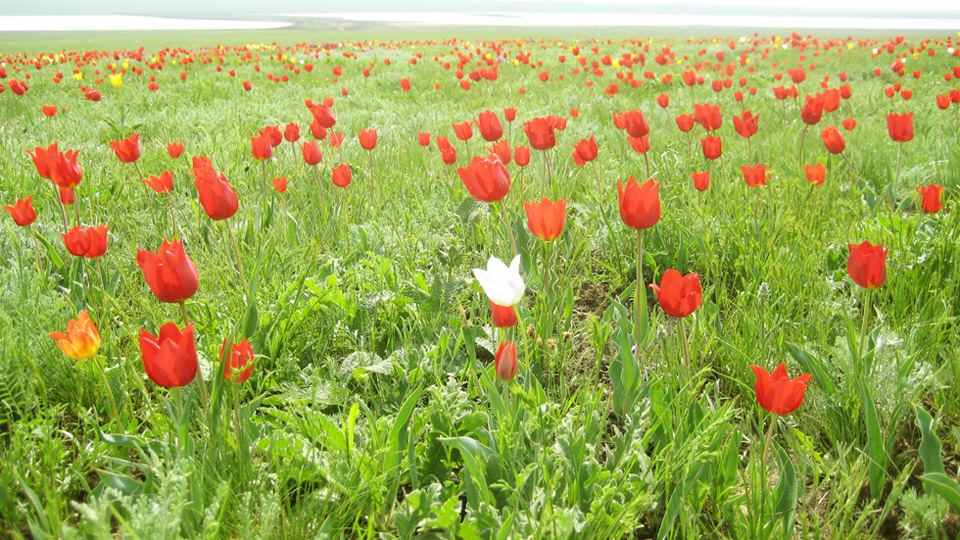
x,y
802,137
769,442
637,306
236,253
506,223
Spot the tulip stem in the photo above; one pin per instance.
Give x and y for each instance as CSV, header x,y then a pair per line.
x,y
236,253
173,217
371,172
686,355
36,244
200,383
769,442
506,223
863,326
323,198
153,216
236,413
596,174
550,170
63,210
646,161
802,137
263,174
546,270
854,171
637,306
896,179
106,384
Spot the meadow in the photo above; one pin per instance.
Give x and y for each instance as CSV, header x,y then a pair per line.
x,y
374,390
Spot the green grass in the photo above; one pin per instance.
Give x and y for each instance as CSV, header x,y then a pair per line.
x,y
374,411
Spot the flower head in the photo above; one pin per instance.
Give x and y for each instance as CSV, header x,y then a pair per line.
x,y
776,392
81,340
503,285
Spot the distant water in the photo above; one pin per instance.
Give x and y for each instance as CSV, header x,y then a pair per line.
x,y
99,23
546,18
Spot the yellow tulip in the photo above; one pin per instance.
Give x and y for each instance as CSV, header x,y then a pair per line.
x,y
116,79
81,341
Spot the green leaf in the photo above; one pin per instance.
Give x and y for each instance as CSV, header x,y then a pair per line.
x,y
398,433
124,484
786,494
945,486
811,364
875,452
930,443
51,252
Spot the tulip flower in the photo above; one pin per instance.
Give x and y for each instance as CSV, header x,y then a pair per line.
x,y
503,316
90,243
48,111
463,131
311,153
636,123
423,138
169,359
930,198
521,155
170,273
586,149
746,124
712,147
368,138
776,392
540,132
235,367
640,145
685,122
755,176
833,140
44,159
546,219
175,149
323,115
815,173
218,199
619,120
490,128
708,116
503,285
510,114
162,183
900,127
319,132
260,148
849,124
486,179
81,341
701,180
292,132
867,265
280,184
342,175
505,362
67,196
127,150
447,152
639,204
812,109
678,295
18,87
663,100
22,212
92,95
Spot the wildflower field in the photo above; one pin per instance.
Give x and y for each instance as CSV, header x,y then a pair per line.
x,y
522,288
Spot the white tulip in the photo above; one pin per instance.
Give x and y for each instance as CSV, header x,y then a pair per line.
x,y
503,285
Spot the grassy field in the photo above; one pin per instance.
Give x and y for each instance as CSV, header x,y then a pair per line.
x,y
374,409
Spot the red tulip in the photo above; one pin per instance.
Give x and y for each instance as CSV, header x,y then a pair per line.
x,y
447,151
342,175
127,150
701,180
218,199
92,95
44,159
48,111
708,116
586,149
503,316
405,84
490,128
171,275
639,204
755,176
502,150
955,96
463,131
323,115
241,354
90,242
685,122
849,124
712,147
815,173
943,101
831,100
170,360
812,109
510,114
311,153
64,170
81,341
272,135
776,392
18,87
505,362
619,120
292,132
663,101
280,184
22,212
336,139
260,148
175,149
368,138
833,140
319,132
678,295
930,198
423,138
636,123
521,155
546,219
486,179
746,124
867,265
540,132
67,196
640,145
900,127
797,75
162,183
